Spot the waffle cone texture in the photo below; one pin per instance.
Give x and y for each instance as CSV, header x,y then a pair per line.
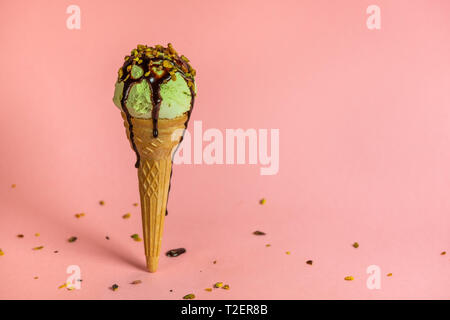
x,y
154,176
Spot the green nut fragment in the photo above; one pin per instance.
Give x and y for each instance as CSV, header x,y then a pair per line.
x,y
136,72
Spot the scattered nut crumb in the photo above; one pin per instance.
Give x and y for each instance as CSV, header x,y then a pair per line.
x,y
79,215
349,278
135,204
20,236
56,251
355,245
35,278
1,252
218,285
262,201
136,282
288,252
310,262
226,287
107,238
443,253
13,185
208,289
72,239
389,274
259,233
189,296
62,286
136,237
114,287
126,216
215,261
38,248
37,234
268,245
101,202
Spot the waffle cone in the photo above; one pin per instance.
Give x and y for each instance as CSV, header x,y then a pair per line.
x,y
154,176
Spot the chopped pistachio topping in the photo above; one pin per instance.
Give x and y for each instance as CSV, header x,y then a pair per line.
x,y
189,296
136,237
167,59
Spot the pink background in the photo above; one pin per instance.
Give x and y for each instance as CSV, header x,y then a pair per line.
x,y
364,119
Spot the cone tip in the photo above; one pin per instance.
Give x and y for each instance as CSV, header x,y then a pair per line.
x,y
152,264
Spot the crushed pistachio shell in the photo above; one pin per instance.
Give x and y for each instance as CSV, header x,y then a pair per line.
x,y
218,285
349,278
136,237
189,296
114,287
72,239
126,216
259,233
38,248
355,245
262,201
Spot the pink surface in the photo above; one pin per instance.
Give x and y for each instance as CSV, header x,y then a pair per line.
x,y
364,119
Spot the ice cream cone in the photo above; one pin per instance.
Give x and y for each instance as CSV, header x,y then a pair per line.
x,y
154,173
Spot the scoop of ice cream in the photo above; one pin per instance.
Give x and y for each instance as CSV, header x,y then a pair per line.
x,y
155,82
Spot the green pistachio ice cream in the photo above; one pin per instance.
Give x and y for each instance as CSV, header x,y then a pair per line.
x,y
156,83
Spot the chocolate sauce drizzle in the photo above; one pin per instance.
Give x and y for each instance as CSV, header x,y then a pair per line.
x,y
155,81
